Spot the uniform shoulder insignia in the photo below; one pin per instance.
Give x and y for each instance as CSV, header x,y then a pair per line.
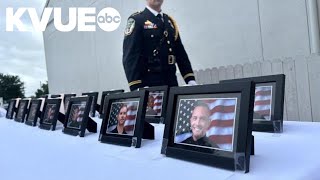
x,y
130,26
136,13
175,27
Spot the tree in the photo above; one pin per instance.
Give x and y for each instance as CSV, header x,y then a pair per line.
x,y
11,87
44,89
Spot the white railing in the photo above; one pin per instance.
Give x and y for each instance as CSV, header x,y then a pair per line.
x,y
302,90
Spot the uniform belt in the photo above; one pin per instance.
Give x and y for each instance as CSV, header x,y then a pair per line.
x,y
171,59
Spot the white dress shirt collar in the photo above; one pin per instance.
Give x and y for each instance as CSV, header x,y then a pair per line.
x,y
154,11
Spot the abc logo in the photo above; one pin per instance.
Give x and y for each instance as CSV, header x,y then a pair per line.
x,y
109,19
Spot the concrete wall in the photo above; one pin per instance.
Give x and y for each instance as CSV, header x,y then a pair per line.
x,y
214,32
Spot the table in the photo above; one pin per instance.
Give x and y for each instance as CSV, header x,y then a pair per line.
x,y
35,154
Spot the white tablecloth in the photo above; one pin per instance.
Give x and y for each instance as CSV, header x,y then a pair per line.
x,y
35,154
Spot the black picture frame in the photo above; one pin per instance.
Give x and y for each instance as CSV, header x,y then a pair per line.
x,y
136,103
66,100
11,109
82,121
104,96
237,157
45,96
55,96
152,115
274,122
93,106
22,111
51,114
33,113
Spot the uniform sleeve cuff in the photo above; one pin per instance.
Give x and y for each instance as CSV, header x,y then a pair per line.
x,y
134,85
189,77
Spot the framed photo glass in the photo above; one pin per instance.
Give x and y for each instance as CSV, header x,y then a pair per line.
x,y
156,105
50,114
268,102
93,105
123,120
11,109
207,121
22,111
123,117
210,124
34,112
77,118
76,115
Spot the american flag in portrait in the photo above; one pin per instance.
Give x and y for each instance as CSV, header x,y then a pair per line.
x,y
80,113
10,109
132,110
158,100
32,113
49,115
222,117
21,109
262,102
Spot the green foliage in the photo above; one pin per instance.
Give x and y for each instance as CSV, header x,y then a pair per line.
x,y
11,87
44,89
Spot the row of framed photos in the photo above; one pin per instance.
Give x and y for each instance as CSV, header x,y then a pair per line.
x,y
208,124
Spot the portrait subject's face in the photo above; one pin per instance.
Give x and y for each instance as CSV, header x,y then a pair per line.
x,y
156,3
151,101
75,114
122,115
199,122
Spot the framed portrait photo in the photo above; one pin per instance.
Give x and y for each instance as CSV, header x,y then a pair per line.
x,y
77,118
156,104
66,100
34,113
104,95
93,106
268,102
50,114
210,124
11,108
22,110
123,121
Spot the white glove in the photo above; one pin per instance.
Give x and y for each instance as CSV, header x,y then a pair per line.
x,y
192,83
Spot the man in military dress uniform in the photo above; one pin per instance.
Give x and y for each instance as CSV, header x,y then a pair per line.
x,y
151,49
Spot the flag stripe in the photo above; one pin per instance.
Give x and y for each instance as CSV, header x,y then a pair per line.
x,y
221,102
220,131
221,123
263,102
131,117
221,139
263,112
263,93
129,129
262,98
225,109
263,88
222,116
130,122
262,107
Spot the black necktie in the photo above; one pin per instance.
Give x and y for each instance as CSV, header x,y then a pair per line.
x,y
159,16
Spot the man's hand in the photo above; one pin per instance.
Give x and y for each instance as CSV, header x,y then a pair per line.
x,y
192,83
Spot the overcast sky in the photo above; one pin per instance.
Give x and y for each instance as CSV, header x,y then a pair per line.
x,y
22,53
